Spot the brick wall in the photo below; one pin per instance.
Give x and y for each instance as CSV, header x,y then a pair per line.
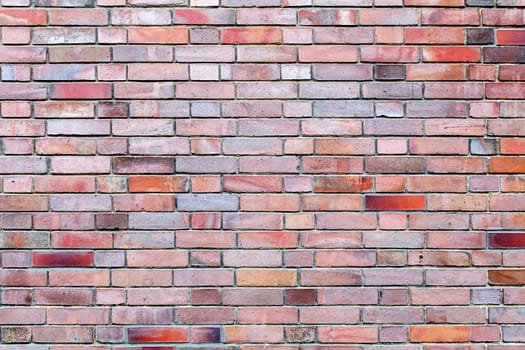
x,y
262,174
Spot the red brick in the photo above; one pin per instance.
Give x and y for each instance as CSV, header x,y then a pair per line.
x,y
451,54
158,335
80,91
434,35
62,259
203,16
374,202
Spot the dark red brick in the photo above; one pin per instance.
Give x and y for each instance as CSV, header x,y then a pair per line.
x,y
63,259
502,240
405,202
300,296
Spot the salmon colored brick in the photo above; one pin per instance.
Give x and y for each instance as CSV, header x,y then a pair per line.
x,y
251,35
160,35
81,91
509,165
436,72
157,183
23,17
436,334
266,278
434,35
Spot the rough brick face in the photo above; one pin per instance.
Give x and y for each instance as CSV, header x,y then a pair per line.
x,y
262,174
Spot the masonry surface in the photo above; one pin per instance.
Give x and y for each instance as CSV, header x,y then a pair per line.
x,y
262,174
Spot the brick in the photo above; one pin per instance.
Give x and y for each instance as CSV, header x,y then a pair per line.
x,y
254,334
451,54
348,334
455,240
346,258
450,17
506,277
16,335
331,127
343,109
373,202
389,54
207,315
158,334
266,277
327,53
203,16
206,335
330,277
342,72
141,53
65,54
62,334
23,17
251,35
158,221
329,315
78,316
160,35
266,54
439,333
325,184
480,36
207,53
507,165
390,72
343,35
266,16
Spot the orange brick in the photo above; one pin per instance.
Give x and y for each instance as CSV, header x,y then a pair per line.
x,y
437,334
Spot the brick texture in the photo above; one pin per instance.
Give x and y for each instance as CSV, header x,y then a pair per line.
x,y
262,174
